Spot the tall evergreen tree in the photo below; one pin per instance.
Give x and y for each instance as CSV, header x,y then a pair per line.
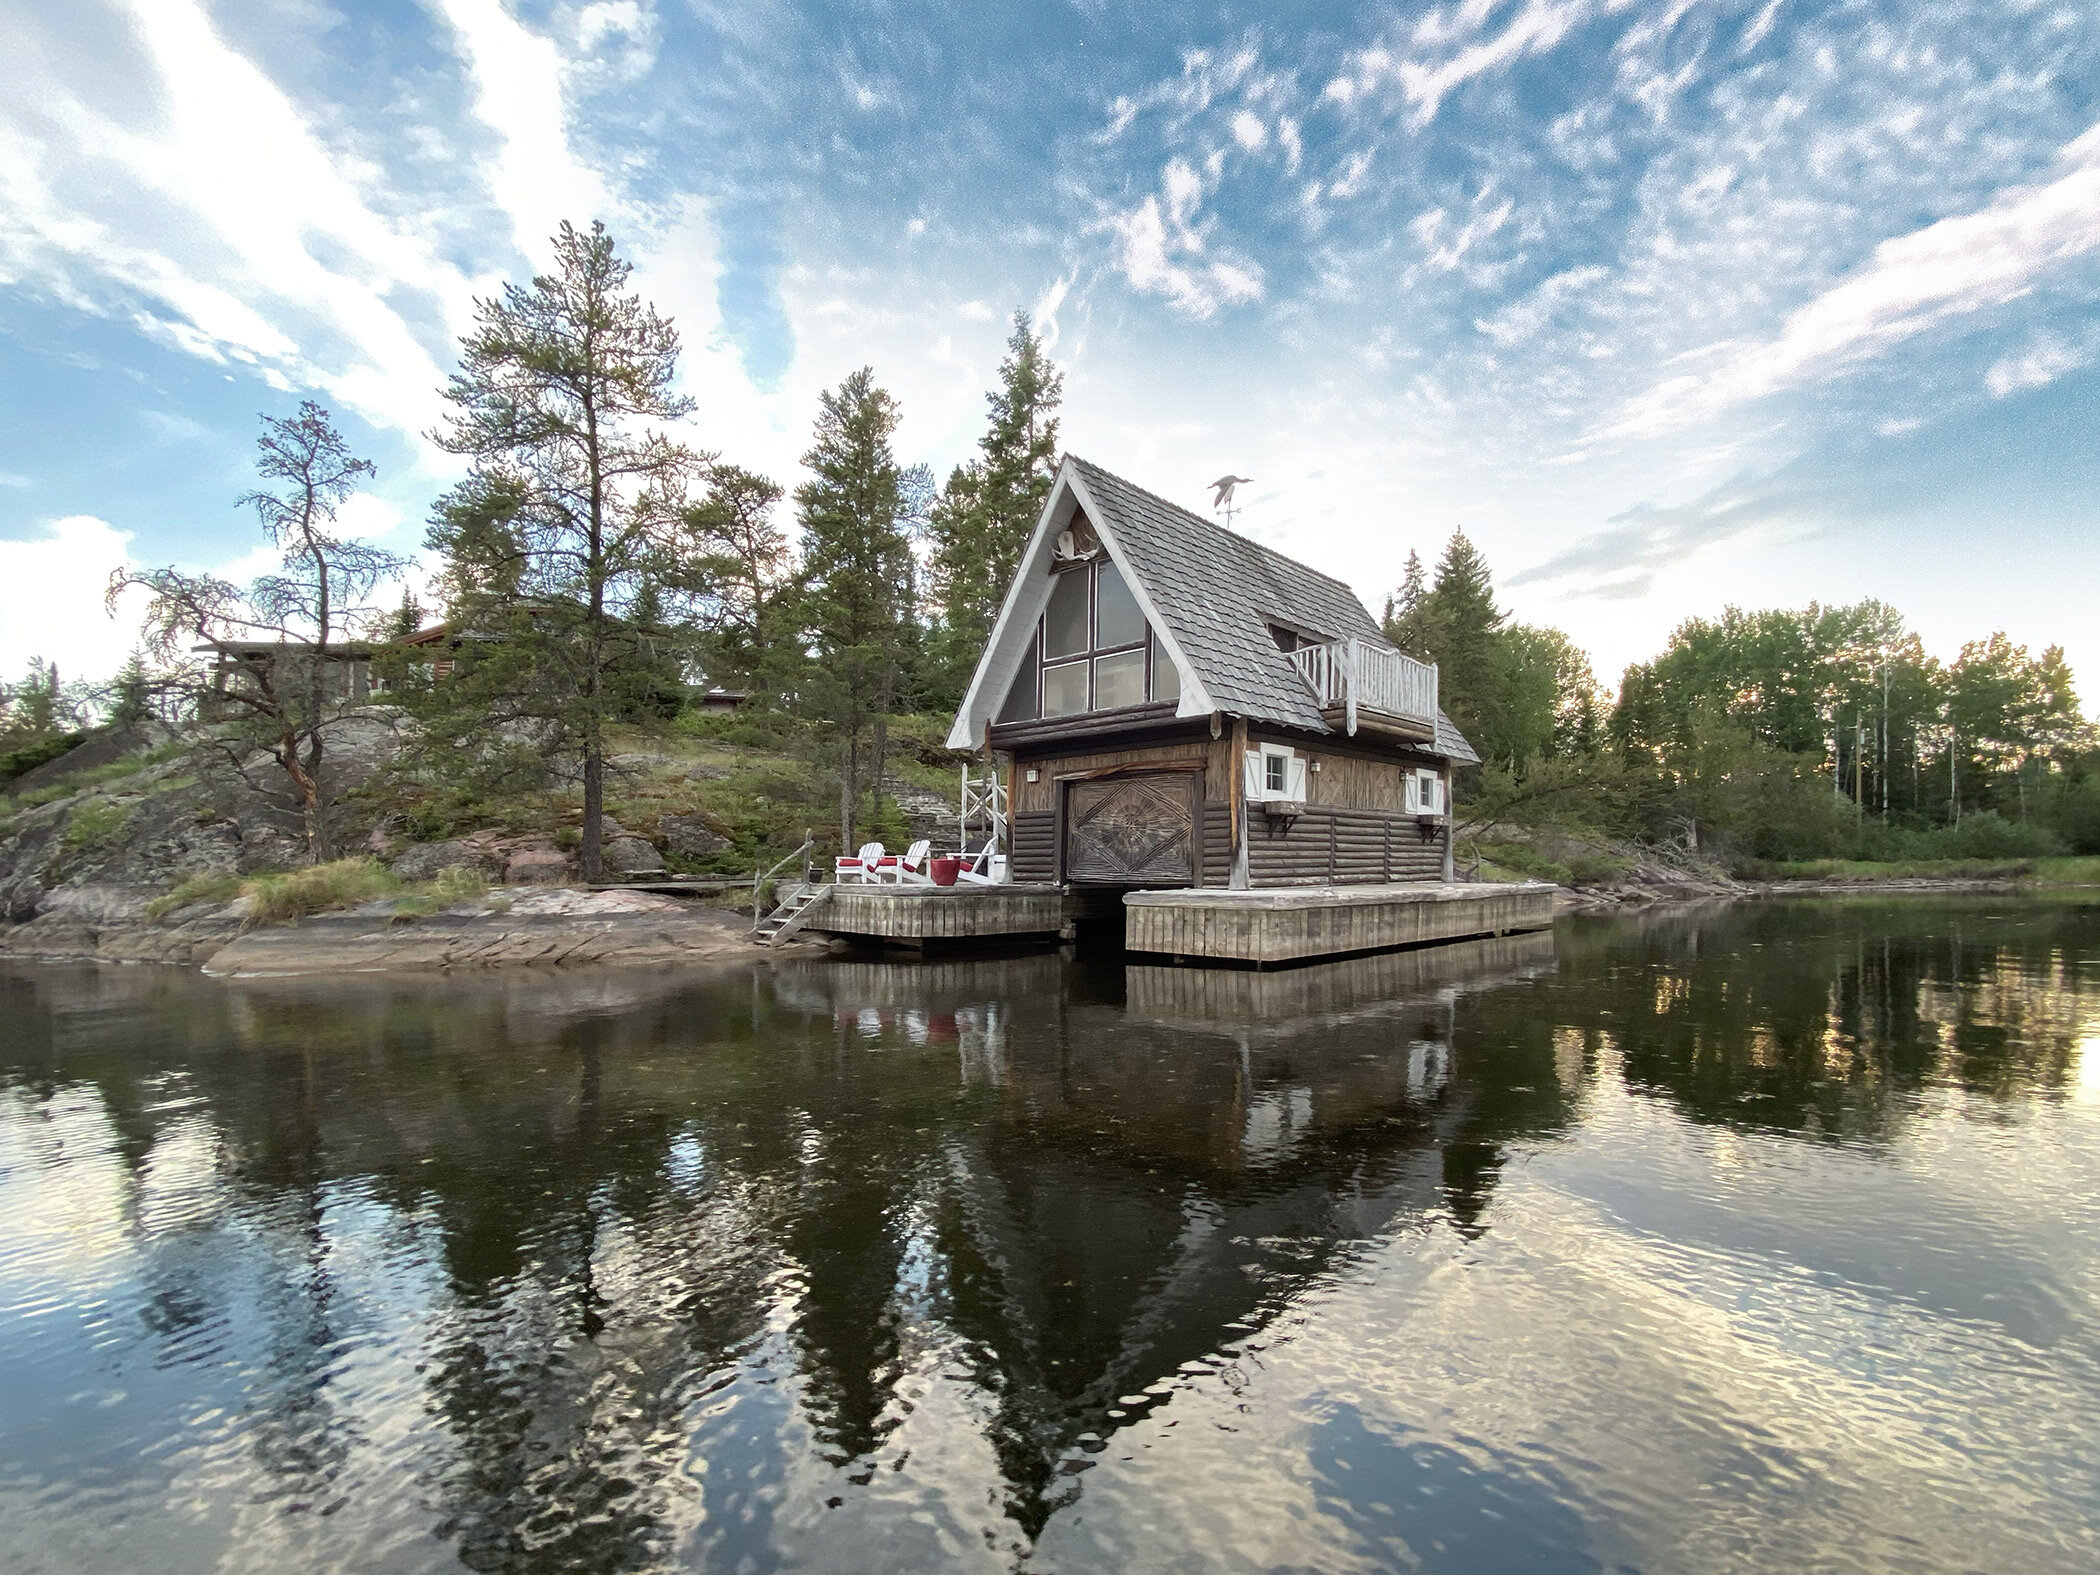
x,y
575,492
737,570
1461,628
858,577
1403,609
982,519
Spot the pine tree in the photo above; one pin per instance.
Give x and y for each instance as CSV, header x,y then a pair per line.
x,y
984,515
574,496
1403,609
858,572
736,572
1460,629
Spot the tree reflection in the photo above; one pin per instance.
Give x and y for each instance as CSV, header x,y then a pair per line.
x,y
640,1203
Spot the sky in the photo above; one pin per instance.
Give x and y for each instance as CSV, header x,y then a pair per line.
x,y
1667,306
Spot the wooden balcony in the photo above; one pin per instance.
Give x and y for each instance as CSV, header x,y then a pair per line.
x,y
1358,685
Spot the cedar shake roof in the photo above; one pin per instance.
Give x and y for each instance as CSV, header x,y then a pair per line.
x,y
1219,594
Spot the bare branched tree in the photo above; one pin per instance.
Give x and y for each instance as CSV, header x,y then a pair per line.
x,y
270,675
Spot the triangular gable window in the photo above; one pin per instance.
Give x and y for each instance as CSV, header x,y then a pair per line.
x,y
1091,649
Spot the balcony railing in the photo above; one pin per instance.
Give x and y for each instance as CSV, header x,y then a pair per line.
x,y
1353,677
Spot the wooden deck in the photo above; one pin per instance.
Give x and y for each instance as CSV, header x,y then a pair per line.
x,y
916,915
1281,926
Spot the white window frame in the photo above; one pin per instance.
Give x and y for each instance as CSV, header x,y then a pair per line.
x,y
1257,774
1425,791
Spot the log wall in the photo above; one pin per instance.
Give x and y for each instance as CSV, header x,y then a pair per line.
x,y
1034,856
1350,847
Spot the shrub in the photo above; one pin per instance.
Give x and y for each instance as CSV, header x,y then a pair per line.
x,y
1989,836
20,762
95,822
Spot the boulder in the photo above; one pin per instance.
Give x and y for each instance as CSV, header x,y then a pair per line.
x,y
690,837
537,866
627,854
425,859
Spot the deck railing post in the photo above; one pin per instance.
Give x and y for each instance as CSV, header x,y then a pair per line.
x,y
1349,685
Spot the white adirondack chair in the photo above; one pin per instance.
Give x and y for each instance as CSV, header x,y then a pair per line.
x,y
907,868
977,867
861,866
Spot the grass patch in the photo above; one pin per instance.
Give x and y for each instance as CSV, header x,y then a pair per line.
x,y
454,884
2035,872
210,886
319,888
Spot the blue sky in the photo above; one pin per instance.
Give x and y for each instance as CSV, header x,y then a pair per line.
x,y
1669,306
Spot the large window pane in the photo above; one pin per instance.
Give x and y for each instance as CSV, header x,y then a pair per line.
x,y
1117,620
1020,699
1119,680
1166,677
1064,623
1064,689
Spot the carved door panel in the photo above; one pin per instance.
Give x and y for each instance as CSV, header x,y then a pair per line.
x,y
1132,831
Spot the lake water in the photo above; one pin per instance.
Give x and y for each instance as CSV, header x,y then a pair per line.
x,y
1765,1236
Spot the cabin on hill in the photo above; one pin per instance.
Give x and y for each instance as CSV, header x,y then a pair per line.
x,y
1179,707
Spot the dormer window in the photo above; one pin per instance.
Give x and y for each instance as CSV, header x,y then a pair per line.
x,y
1092,651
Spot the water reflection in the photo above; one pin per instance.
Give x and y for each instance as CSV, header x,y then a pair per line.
x,y
850,1265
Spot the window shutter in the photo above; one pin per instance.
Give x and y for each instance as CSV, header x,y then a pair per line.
x,y
1297,780
1412,797
1256,788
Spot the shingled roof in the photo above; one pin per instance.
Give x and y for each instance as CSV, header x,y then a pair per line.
x,y
1219,595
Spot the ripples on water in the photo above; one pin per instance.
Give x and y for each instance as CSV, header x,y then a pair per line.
x,y
1766,1236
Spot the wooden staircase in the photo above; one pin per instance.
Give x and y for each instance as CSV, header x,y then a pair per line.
x,y
797,905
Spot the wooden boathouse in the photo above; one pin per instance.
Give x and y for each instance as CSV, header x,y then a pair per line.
x,y
1219,740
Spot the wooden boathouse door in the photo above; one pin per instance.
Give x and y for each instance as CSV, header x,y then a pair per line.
x,y
1136,830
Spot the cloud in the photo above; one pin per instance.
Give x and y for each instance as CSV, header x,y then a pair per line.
x,y
520,94
1956,266
1162,247
1523,318
222,225
1425,82
2041,363
1649,537
51,591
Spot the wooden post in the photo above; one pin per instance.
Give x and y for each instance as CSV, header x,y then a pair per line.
x,y
1349,684
1238,878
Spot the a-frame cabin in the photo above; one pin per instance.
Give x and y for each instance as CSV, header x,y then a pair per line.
x,y
1180,707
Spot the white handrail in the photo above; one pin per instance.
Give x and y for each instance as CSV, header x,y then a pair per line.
x,y
1357,676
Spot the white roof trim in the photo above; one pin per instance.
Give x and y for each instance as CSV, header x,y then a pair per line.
x,y
1016,625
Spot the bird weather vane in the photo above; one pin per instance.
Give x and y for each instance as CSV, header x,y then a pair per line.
x,y
1223,502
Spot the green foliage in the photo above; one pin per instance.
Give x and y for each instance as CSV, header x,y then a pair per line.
x,y
570,519
94,823
990,505
858,581
25,758
736,575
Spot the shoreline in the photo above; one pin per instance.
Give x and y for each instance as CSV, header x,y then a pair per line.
x,y
664,933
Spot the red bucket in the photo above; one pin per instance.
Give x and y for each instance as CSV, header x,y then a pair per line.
x,y
944,869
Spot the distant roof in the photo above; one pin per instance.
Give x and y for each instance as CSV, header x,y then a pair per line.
x,y
1220,594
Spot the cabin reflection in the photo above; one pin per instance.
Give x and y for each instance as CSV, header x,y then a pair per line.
x,y
625,1196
